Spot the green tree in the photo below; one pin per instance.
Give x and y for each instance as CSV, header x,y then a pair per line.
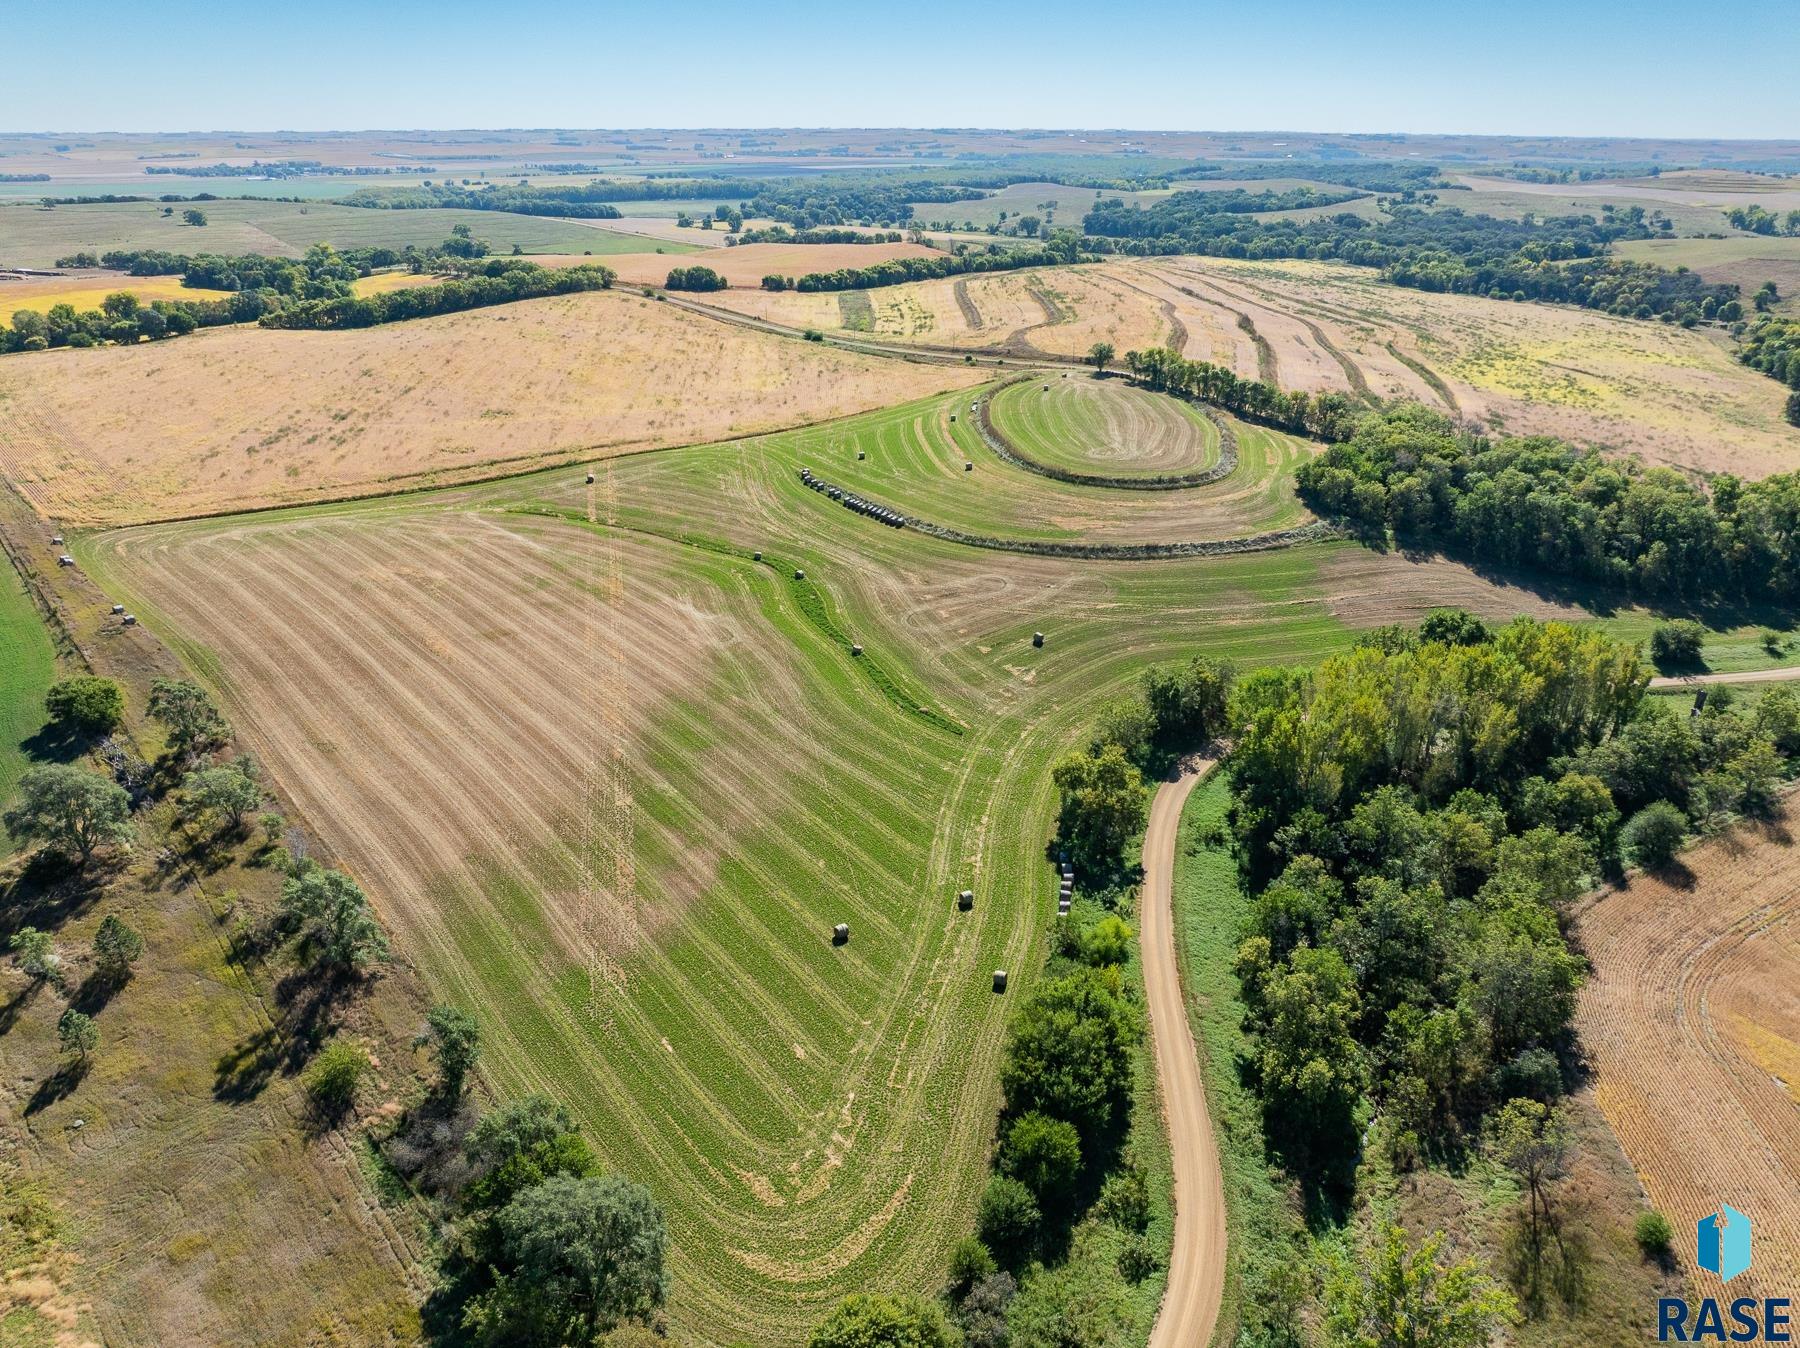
x,y
116,948
1188,702
1408,1299
579,1256
70,809
332,914
1044,1155
1108,942
1100,355
333,1076
193,216
1069,1053
1677,642
1313,1071
1653,1234
86,704
522,1143
1653,835
229,792
875,1320
1104,805
1535,1142
454,1037
970,1262
35,953
191,719
77,1033
1008,1220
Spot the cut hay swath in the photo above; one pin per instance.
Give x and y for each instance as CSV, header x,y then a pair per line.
x,y
418,677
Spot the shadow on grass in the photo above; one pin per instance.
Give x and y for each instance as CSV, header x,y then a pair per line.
x,y
59,1085
96,990
308,1002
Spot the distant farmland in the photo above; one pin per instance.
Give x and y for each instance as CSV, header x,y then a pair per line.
x,y
31,236
106,436
1671,395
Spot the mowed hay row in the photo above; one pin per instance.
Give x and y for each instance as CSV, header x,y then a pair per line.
x,y
1692,1022
913,462
245,417
1104,427
813,1119
1670,394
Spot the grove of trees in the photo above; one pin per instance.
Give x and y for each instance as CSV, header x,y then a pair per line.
x,y
1542,504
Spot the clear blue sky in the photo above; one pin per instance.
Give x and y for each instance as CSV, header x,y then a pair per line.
x,y
1598,67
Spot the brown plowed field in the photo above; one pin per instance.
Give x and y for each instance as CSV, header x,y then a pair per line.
x,y
1692,1021
242,417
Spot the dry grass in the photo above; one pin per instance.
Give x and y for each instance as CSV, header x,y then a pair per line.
x,y
245,417
85,290
1692,1019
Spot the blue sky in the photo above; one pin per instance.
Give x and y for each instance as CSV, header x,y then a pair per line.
x,y
1599,67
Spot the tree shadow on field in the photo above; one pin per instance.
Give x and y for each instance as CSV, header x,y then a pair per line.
x,y
59,1085
14,1006
54,743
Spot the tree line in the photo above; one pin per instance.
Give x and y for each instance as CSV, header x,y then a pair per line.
x,y
1759,220
500,281
1561,260
1326,416
1543,504
1416,818
1063,248
1772,345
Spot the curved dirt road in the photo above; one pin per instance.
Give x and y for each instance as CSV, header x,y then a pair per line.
x,y
1197,1264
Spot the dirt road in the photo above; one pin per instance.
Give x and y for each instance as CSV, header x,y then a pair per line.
x,y
1743,676
1197,1264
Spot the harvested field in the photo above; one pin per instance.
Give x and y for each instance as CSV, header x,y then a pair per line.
x,y
1105,427
86,289
1692,1021
1745,260
1671,395
915,457
651,943
241,417
746,265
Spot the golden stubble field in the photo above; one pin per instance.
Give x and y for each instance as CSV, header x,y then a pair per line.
x,y
1692,1022
1670,395
243,417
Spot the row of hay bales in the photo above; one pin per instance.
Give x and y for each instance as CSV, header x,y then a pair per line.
x,y
851,501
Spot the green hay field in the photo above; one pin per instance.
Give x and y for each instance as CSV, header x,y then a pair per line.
x,y
31,236
27,669
458,691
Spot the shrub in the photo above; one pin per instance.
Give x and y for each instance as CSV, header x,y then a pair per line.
x,y
1653,835
970,1262
116,947
90,705
1653,1234
335,1074
1678,642
875,1320
1008,1220
1044,1155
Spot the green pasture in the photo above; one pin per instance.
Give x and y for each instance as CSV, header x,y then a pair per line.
x,y
1106,427
31,236
27,669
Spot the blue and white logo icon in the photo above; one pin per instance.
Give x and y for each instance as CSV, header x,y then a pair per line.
x,y
1723,1241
